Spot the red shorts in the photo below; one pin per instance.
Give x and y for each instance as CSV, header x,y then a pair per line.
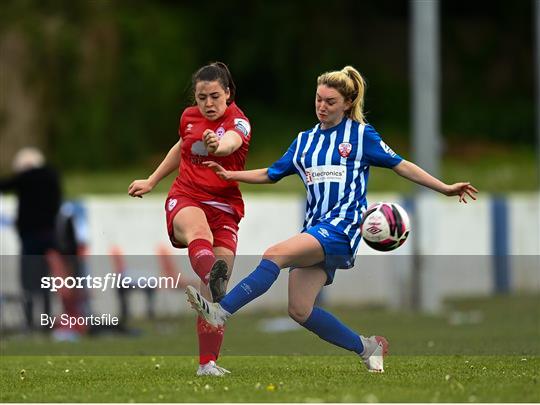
x,y
224,226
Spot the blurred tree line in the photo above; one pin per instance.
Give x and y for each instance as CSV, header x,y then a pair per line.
x,y
101,84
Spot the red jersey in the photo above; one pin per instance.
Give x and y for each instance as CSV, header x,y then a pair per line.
x,y
199,182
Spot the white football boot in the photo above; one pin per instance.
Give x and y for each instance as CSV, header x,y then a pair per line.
x,y
210,312
375,348
212,369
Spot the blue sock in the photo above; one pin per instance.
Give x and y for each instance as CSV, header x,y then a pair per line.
x,y
329,328
251,287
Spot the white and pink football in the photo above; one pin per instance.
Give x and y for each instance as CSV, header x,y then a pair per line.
x,y
385,226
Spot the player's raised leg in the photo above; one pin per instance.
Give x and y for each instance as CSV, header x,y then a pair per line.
x,y
304,286
191,229
300,250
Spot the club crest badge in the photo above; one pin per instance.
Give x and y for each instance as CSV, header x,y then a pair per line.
x,y
220,132
345,149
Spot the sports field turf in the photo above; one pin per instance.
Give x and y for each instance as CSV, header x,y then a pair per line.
x,y
271,379
479,350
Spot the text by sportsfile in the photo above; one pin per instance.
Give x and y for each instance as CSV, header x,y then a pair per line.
x,y
110,280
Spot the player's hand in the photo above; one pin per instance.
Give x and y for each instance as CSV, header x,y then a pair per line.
x,y
140,187
211,141
219,170
463,190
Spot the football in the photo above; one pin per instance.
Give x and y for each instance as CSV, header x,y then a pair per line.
x,y
385,226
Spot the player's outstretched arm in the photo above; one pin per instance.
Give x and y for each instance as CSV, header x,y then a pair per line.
x,y
171,162
257,176
415,173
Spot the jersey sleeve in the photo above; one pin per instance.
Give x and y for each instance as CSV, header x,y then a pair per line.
x,y
285,166
376,152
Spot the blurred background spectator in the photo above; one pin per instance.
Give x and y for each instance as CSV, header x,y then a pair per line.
x,y
39,195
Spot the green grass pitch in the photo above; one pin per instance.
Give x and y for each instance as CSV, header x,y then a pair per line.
x,y
488,352
271,379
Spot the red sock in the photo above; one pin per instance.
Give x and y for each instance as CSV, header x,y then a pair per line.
x,y
210,339
202,258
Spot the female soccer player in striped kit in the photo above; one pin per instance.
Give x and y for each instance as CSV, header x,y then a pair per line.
x,y
203,211
333,160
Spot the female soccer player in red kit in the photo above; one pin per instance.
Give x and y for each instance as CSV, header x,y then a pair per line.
x,y
202,210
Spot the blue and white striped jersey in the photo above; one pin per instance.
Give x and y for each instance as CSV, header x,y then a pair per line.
x,y
334,165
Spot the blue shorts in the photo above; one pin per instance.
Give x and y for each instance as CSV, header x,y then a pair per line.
x,y
336,246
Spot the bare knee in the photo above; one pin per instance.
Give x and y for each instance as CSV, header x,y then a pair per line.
x,y
277,255
300,313
272,251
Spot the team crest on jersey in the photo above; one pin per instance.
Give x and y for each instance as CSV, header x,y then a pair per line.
x,y
220,132
171,204
189,127
345,149
242,125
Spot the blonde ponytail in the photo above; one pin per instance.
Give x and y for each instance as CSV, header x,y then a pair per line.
x,y
351,85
